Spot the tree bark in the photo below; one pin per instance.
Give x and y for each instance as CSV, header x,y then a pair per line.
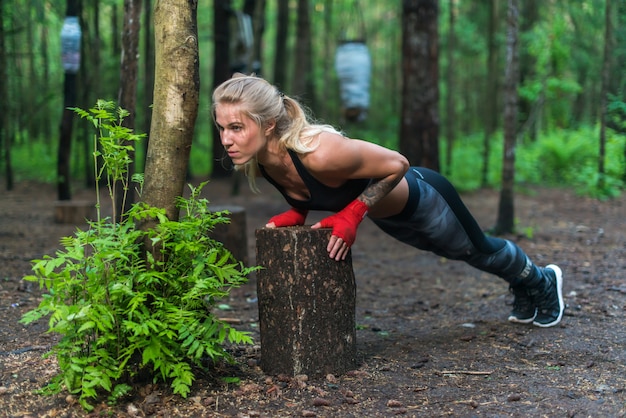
x,y
419,125
491,99
222,166
451,90
306,304
64,190
127,95
148,93
4,131
606,79
280,58
302,80
176,98
506,211
530,15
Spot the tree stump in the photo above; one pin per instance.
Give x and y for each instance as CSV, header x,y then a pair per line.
x,y
233,235
76,212
306,304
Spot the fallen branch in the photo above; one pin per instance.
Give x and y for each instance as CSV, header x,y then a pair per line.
x,y
23,350
471,372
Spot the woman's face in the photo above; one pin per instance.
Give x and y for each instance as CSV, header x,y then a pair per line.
x,y
241,137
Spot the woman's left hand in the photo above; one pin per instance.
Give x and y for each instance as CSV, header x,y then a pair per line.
x,y
344,224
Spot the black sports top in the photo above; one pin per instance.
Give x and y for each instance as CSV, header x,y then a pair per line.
x,y
323,197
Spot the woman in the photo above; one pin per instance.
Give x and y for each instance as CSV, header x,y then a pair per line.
x,y
315,167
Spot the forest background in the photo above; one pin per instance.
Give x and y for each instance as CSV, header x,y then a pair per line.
x,y
563,92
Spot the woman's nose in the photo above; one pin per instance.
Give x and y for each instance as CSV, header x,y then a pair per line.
x,y
225,138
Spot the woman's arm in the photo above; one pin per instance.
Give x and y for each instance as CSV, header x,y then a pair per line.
x,y
338,159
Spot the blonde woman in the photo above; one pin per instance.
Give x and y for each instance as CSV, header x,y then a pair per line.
x,y
315,167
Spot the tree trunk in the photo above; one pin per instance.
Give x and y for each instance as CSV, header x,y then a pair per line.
x,y
281,59
302,80
5,143
490,116
148,92
451,90
306,304
127,96
65,139
419,125
606,73
506,210
222,165
89,80
529,17
45,82
176,98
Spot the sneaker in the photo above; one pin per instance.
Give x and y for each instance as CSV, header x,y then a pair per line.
x,y
524,309
549,300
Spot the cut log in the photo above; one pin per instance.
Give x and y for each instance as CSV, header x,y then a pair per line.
x,y
75,212
306,303
234,234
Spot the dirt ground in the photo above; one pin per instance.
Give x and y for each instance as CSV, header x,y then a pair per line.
x,y
432,336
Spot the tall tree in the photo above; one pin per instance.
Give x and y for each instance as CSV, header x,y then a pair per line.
x,y
529,17
148,67
176,99
419,120
450,90
222,12
506,209
44,52
606,76
280,56
127,95
89,80
4,131
69,99
328,40
302,84
491,97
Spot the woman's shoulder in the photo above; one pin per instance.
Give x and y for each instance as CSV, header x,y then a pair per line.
x,y
334,152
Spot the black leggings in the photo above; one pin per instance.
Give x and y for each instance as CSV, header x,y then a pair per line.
x,y
435,219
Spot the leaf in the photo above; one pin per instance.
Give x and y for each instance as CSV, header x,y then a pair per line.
x,y
87,325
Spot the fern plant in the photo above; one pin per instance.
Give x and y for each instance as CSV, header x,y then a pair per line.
x,y
122,311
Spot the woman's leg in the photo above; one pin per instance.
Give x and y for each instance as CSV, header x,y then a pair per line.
x,y
438,221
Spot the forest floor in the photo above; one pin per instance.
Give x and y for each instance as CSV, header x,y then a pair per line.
x,y
432,339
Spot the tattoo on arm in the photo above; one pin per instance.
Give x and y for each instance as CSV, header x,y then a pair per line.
x,y
377,190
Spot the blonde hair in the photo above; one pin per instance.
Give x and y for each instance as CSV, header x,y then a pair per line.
x,y
264,103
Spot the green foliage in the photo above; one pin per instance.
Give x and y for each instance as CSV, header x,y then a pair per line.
x,y
616,114
564,158
114,145
124,308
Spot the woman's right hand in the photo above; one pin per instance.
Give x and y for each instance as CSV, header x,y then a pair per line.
x,y
292,217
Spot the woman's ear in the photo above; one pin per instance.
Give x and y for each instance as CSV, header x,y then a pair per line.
x,y
270,127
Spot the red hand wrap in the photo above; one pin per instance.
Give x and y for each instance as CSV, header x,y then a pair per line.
x,y
292,217
346,221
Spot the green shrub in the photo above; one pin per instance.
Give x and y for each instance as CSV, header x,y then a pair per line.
x,y
122,311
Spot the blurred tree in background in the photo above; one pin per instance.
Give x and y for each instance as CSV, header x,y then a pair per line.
x,y
292,43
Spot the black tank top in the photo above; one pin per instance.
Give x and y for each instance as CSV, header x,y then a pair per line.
x,y
323,197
